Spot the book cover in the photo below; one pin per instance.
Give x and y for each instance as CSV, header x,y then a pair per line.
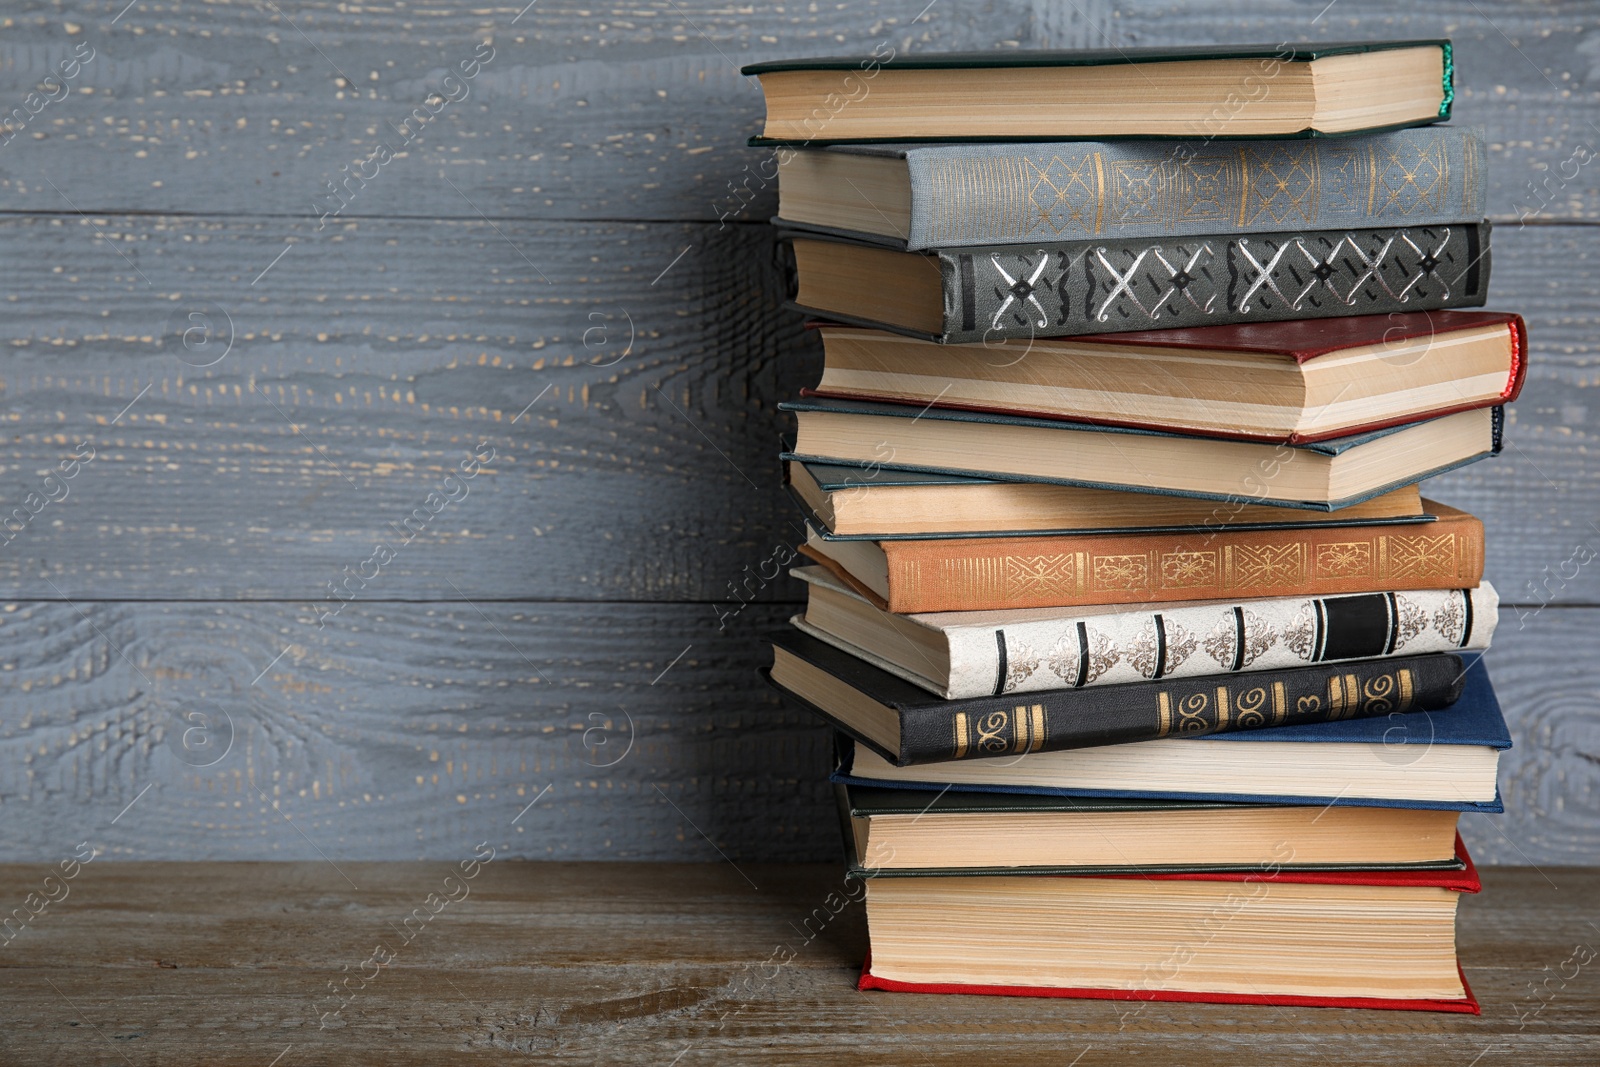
x,y
832,478
891,461
1463,878
1114,284
874,65
1304,340
977,574
1459,875
1473,720
865,802
997,194
1074,374
1466,1005
935,731
1292,52
1023,651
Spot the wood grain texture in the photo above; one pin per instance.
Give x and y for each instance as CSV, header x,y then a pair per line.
x,y
641,731
542,270
632,413
635,110
638,963
400,730
368,363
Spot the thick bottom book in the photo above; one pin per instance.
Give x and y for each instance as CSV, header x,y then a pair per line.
x,y
1467,1003
1377,939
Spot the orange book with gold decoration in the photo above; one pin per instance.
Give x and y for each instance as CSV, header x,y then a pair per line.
x,y
975,574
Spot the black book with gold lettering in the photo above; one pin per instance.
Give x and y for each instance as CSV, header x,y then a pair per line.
x,y
906,725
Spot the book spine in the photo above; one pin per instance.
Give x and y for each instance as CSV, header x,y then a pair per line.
x,y
1121,284
1064,719
1021,572
1213,639
1005,194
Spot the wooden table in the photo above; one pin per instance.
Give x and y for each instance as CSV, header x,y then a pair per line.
x,y
230,963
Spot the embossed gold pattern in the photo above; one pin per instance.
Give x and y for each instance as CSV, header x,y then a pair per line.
x,y
1256,706
930,576
1344,559
1182,570
991,732
1191,714
1408,179
1248,565
1417,556
1121,572
1284,184
1074,194
1252,707
1040,574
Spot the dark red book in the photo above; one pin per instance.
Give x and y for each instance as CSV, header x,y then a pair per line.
x,y
1296,382
1468,1004
1166,979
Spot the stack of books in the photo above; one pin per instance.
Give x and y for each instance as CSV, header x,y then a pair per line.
x,y
1155,675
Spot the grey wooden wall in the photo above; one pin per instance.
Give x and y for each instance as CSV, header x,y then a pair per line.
x,y
566,268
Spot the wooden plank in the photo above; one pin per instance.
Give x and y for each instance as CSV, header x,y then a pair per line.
x,y
629,110
402,730
397,729
368,364
637,963
631,424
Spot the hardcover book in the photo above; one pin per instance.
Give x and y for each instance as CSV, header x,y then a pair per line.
x,y
907,833
1110,285
953,195
1270,936
979,574
849,503
1298,381
1320,476
962,654
910,727
1205,91
1437,759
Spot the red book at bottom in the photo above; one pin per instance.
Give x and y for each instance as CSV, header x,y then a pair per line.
x,y
1465,881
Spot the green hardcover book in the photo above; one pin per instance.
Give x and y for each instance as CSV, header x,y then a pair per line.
x,y
1205,91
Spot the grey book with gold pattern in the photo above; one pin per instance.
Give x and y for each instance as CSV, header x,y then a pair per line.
x,y
983,194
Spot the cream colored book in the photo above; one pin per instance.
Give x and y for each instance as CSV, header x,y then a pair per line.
x,y
851,502
960,654
1202,91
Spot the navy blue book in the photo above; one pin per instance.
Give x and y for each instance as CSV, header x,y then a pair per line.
x,y
1423,759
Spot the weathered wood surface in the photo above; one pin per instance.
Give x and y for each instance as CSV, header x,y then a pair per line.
x,y
641,731
633,110
369,362
397,730
227,964
542,270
